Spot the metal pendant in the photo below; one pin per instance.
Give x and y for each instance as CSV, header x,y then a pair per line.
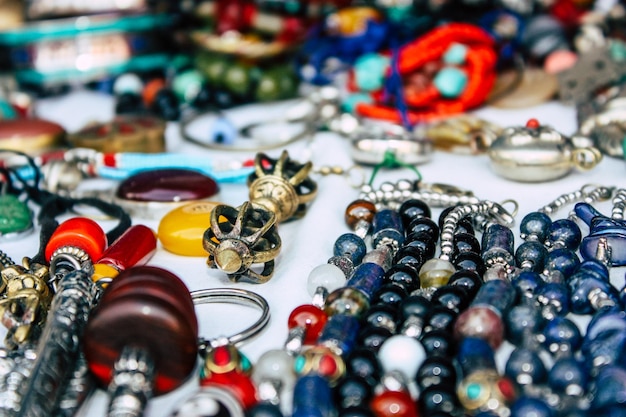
x,y
536,153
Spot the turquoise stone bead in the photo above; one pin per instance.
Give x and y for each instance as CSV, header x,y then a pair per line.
x,y
187,85
455,54
369,71
450,82
351,101
7,111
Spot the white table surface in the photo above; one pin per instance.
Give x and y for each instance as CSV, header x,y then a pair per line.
x,y
308,242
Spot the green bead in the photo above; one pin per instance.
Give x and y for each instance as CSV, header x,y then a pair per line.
x,y
455,54
187,85
7,111
237,79
617,50
450,82
276,84
15,216
369,71
399,14
212,67
350,102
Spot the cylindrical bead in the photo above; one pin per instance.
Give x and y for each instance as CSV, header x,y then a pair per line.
x,y
79,232
312,396
341,331
367,278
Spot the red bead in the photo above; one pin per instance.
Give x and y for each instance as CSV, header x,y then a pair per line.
x,y
167,185
309,317
481,322
79,232
221,356
134,247
393,404
532,123
238,383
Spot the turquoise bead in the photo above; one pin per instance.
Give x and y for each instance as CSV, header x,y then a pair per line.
x,y
7,111
455,54
350,102
187,85
450,82
369,71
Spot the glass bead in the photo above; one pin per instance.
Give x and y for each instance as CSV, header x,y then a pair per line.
x,y
531,406
310,318
531,255
393,404
222,131
497,244
327,276
438,343
312,396
525,367
413,209
404,276
441,318
595,267
467,280
526,284
360,213
564,233
436,370
352,391
470,261
465,242
381,315
346,301
79,232
387,227
569,376
423,243
415,306
381,256
402,353
562,335
481,322
276,365
497,295
439,399
370,70
367,278
349,244
424,225
340,332
436,273
390,294
372,337
409,255
523,322
535,226
134,247
263,409
364,363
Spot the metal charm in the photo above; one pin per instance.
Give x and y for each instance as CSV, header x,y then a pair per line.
x,y
535,153
462,134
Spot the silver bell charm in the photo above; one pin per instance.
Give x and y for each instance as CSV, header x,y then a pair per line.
x,y
537,153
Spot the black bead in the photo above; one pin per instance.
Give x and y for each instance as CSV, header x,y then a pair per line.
x,y
438,342
403,275
356,411
424,225
410,255
364,363
436,370
470,261
465,242
413,209
264,409
423,241
441,318
372,337
166,105
204,97
467,280
390,294
351,391
450,297
437,399
382,315
128,103
415,305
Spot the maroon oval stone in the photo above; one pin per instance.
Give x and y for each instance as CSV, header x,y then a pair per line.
x,y
167,185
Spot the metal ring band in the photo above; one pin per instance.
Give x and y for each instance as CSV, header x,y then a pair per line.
x,y
233,296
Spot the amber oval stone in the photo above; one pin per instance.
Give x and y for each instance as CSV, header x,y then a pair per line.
x,y
167,185
30,134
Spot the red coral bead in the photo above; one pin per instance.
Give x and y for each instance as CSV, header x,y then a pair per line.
x,y
309,317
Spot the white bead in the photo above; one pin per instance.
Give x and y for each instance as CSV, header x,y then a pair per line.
x,y
274,365
402,353
127,83
328,276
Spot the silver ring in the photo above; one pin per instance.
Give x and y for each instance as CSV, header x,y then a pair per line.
x,y
233,296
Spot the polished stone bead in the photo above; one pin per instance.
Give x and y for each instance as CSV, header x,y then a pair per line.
x,y
382,315
402,353
450,297
555,298
410,255
569,376
435,273
312,396
404,276
562,335
531,255
423,242
415,305
372,337
352,391
498,243
441,318
562,260
526,284
535,226
523,322
525,367
393,404
387,226
370,69
327,276
367,278
596,268
468,281
264,409
350,245
531,406
481,322
465,242
310,318
413,209
609,391
381,256
346,301
605,340
436,370
438,342
167,185
364,363
359,211
450,82
389,294
497,295
455,54
424,225
470,261
439,399
564,233
475,353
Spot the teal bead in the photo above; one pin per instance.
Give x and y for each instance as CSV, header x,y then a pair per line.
x,y
351,101
450,82
369,71
7,111
455,54
187,85
618,51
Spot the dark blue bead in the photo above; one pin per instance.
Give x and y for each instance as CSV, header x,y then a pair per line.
x,y
390,294
465,242
603,232
413,209
565,233
364,363
525,367
350,245
423,242
535,224
580,300
523,322
569,375
531,255
468,280
556,295
367,277
424,225
562,260
404,276
387,224
475,354
498,241
470,261
609,389
441,318
340,330
528,406
593,266
312,397
381,315
498,294
605,340
562,335
527,283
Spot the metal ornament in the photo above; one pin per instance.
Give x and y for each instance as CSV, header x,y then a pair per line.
x,y
462,134
536,153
